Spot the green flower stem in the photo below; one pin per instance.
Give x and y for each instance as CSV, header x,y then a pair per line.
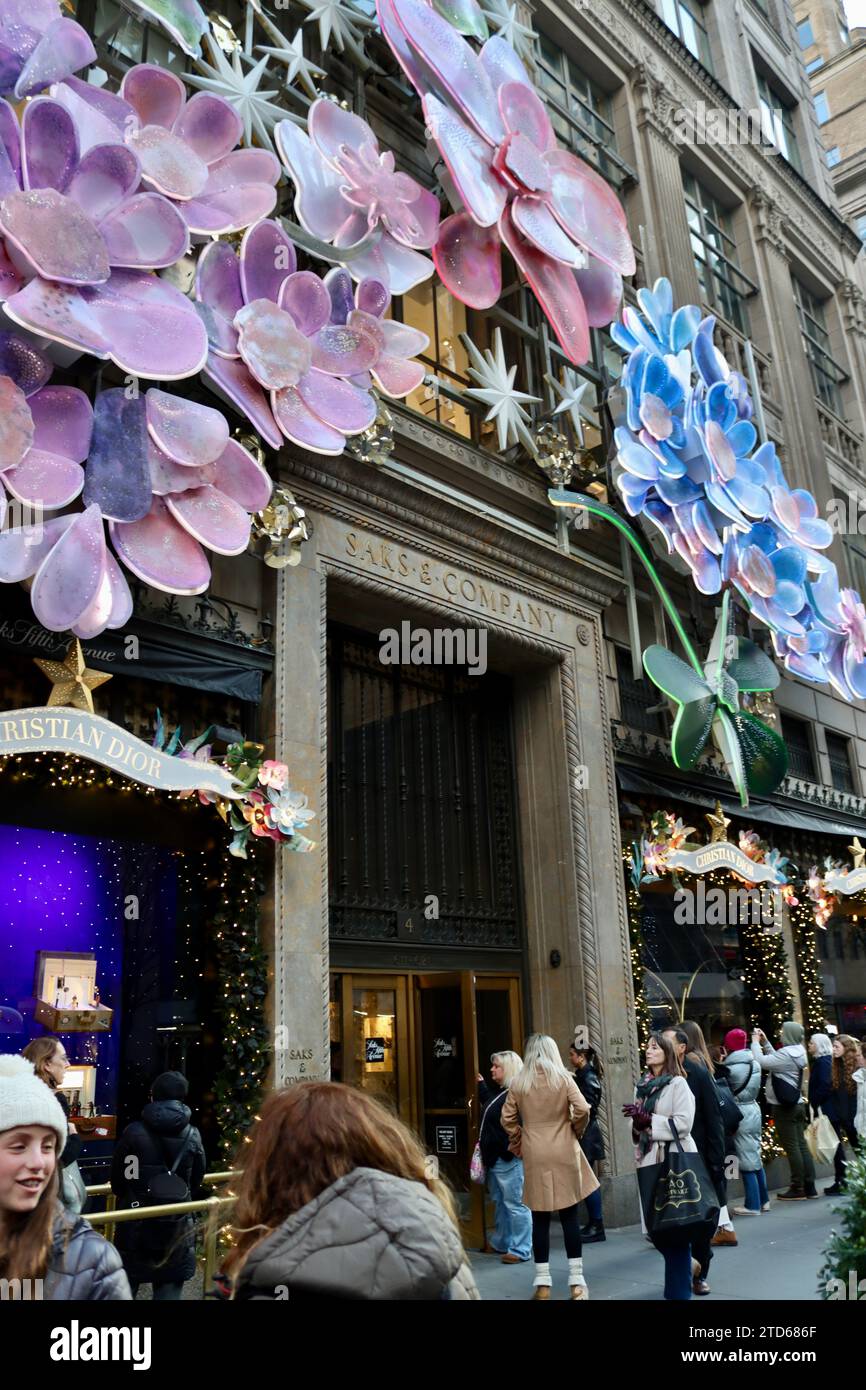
x,y
560,497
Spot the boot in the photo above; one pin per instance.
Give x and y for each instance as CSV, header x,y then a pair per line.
x,y
810,1190
835,1190
794,1194
592,1233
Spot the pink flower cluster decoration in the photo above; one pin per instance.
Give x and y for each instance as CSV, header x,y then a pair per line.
x,y
77,236
39,45
294,353
160,470
347,188
562,224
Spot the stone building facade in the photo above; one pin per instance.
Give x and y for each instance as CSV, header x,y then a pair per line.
x,y
675,102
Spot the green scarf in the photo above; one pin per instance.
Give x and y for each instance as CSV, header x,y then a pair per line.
x,y
650,1088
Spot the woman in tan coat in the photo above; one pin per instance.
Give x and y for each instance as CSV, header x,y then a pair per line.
x,y
544,1115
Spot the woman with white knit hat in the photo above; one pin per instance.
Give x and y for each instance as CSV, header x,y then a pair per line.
x,y
49,1254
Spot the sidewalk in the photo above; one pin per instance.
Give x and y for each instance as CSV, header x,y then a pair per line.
x,y
778,1258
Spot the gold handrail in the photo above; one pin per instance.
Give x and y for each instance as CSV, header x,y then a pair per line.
x,y
103,1189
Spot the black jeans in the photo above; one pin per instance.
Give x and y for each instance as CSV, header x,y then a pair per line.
x,y
839,1161
568,1219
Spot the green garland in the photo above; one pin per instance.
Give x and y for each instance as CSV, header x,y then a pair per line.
x,y
243,985
806,956
635,932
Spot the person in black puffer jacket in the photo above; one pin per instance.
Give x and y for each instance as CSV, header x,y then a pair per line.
x,y
512,1236
52,1255
588,1073
160,1252
708,1132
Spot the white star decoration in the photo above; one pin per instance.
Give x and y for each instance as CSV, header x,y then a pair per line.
x,y
292,54
343,21
229,80
503,16
496,389
570,395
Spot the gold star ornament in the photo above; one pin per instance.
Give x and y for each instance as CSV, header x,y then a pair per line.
x,y
719,823
71,681
858,852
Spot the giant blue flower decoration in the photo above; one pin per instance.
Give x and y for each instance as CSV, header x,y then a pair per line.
x,y
689,462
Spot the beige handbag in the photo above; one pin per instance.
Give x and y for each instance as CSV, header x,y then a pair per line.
x,y
822,1139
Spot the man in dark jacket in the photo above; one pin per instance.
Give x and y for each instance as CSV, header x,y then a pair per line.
x,y
708,1132
159,1251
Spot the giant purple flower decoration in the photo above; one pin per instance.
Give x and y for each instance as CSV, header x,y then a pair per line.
x,y
39,45
347,189
164,474
561,222
186,149
280,352
77,236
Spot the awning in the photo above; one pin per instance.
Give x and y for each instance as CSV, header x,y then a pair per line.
x,y
764,812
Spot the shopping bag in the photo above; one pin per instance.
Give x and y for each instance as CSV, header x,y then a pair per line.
x,y
822,1139
477,1170
677,1195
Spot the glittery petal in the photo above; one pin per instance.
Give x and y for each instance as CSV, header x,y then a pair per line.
x,y
267,257
304,296
67,581
231,380
337,402
63,48
167,163
160,552
468,260
156,94
56,236
276,353
589,211
189,433
16,424
299,424
240,476
118,478
218,287
23,548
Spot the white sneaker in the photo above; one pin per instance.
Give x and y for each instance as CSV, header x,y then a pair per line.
x,y
765,1207
746,1211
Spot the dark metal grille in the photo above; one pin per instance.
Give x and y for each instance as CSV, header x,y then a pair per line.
x,y
636,698
840,763
801,763
420,801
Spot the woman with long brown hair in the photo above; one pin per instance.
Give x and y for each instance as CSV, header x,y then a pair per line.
x,y
841,1107
337,1199
49,1254
50,1063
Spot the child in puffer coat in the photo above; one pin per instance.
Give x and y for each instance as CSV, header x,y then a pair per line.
x,y
744,1075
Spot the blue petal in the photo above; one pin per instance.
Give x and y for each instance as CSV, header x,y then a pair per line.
x,y
676,491
684,326
723,502
742,437
789,597
790,565
636,459
706,358
815,532
754,501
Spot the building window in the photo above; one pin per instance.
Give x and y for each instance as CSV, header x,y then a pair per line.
x,y
844,34
822,108
778,122
834,157
686,18
722,283
636,697
801,762
805,34
815,64
443,318
579,110
861,228
827,375
838,752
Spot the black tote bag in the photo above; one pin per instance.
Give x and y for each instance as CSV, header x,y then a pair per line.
x,y
677,1196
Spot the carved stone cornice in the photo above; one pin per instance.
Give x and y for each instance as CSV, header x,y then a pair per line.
x,y
770,222
853,307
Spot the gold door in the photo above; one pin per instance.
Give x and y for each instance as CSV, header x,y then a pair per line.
x,y
370,1038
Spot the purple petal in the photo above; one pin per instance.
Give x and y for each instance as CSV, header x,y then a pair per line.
x,y
69,577
95,617
398,377
601,288
337,402
455,65
45,480
501,63
242,169
152,329
167,476
343,351
556,290
146,232
157,95
705,528
118,477
240,476
60,314
523,110
160,552
16,424
231,210
303,427
372,297
167,162
589,211
276,353
49,145
210,126
231,380
468,260
63,49
23,548
100,117
189,433
56,237
212,519
401,340
338,283
218,286
267,257
534,220
307,300
319,204
331,127
398,267
63,420
10,149
105,176
469,161
121,598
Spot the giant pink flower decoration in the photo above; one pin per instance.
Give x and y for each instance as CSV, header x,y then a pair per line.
x,y
39,45
281,352
44,430
164,474
347,188
186,148
77,236
562,224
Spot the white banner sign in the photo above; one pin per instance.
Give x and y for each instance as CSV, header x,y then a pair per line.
x,y
846,884
723,855
58,729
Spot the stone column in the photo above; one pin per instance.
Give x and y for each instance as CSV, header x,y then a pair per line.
x,y
662,183
301,1022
